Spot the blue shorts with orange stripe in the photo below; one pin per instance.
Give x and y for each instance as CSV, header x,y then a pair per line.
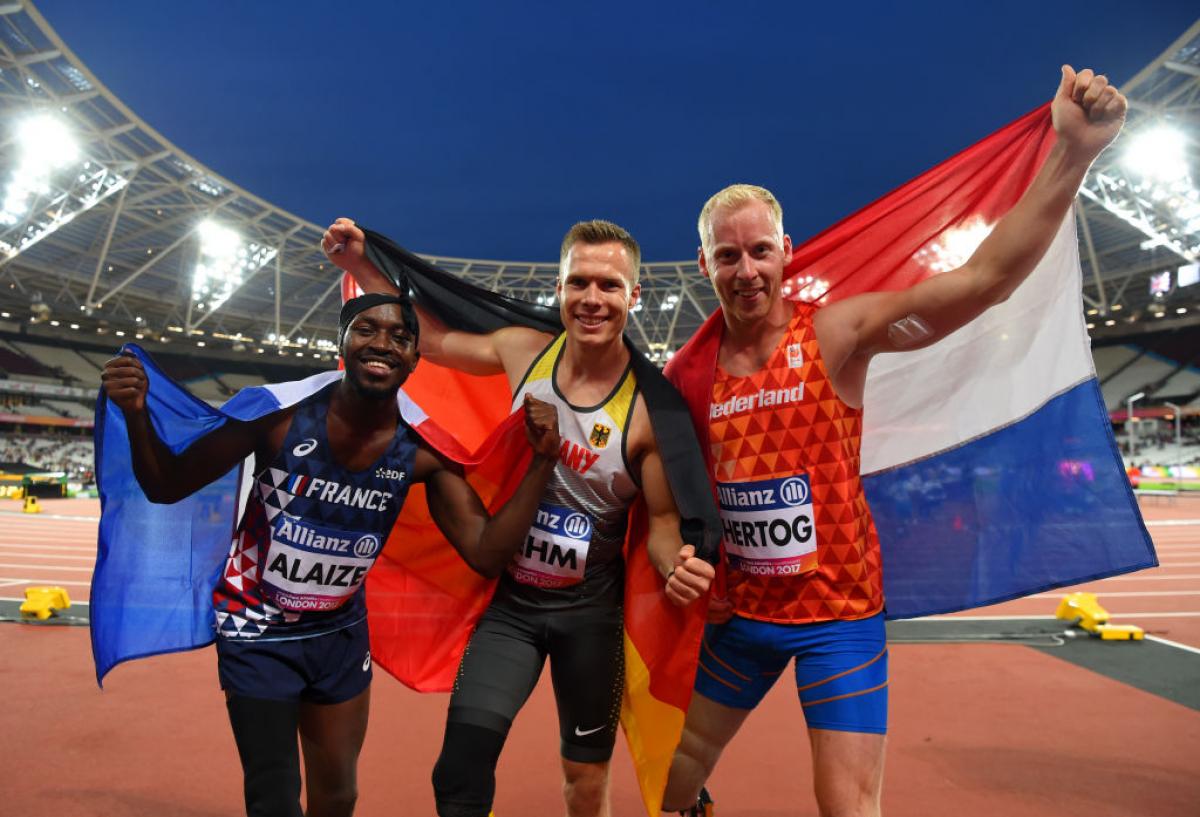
x,y
841,668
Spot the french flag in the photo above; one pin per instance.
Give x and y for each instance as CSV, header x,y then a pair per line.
x,y
157,565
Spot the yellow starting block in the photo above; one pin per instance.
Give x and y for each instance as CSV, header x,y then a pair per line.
x,y
31,505
1084,608
42,602
1120,632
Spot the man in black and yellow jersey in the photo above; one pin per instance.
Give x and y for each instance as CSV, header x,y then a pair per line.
x,y
562,595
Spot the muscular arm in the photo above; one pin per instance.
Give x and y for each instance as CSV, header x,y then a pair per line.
x,y
166,477
1087,114
686,576
505,351
487,543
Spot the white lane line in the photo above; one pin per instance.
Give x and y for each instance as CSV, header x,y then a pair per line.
x,y
1179,564
82,549
1170,523
50,582
11,582
51,567
61,531
1180,577
24,555
73,517
16,598
1180,614
1171,643
1121,594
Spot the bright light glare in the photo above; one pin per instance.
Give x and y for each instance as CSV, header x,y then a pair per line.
x,y
806,288
45,141
953,247
45,145
225,261
1158,154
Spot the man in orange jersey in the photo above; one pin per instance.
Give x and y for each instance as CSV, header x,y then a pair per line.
x,y
800,583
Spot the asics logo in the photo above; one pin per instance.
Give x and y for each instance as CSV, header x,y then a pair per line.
x,y
304,448
584,732
367,661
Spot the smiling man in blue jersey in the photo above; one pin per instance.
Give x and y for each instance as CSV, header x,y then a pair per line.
x,y
331,474
562,595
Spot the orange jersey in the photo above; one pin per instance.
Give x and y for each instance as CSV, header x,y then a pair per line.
x,y
785,454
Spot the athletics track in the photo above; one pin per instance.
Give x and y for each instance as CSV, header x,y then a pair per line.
x,y
1020,726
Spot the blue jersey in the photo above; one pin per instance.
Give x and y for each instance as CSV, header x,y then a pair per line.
x,y
311,531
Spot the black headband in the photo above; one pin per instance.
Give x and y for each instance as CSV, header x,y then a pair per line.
x,y
362,303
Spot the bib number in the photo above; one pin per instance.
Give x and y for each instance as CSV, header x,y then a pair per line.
x,y
769,527
310,568
555,550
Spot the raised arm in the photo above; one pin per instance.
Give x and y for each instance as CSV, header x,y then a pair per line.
x,y
1087,113
487,543
686,576
163,476
508,350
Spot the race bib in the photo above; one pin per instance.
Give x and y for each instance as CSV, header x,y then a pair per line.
x,y
769,526
308,567
555,551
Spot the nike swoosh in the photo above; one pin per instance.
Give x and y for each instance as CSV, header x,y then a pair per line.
x,y
581,734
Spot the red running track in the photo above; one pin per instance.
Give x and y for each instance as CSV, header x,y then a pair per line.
x,y
987,730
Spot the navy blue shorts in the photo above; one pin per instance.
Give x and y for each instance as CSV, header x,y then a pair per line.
x,y
323,669
841,668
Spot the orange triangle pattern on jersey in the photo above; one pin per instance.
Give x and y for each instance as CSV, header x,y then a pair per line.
x,y
818,435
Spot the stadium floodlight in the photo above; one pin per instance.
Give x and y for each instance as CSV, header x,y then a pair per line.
x,y
1158,154
50,182
45,145
1149,186
225,262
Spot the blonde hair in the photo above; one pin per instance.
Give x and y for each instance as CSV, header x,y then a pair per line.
x,y
733,197
599,231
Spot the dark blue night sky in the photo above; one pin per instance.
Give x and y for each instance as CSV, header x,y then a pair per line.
x,y
484,129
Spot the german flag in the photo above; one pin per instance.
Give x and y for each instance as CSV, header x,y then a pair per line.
x,y
424,600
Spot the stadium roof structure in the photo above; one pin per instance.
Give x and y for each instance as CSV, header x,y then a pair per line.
x,y
107,227
1139,209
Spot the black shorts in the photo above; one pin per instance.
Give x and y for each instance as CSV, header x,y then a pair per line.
x,y
322,669
504,659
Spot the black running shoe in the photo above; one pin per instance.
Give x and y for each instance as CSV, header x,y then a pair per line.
x,y
703,807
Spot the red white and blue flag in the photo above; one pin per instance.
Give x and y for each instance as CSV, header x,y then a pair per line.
x,y
988,458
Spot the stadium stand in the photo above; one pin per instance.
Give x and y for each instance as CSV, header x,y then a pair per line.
x,y
1136,376
72,454
236,382
14,362
76,369
1184,384
1163,365
1109,359
69,408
